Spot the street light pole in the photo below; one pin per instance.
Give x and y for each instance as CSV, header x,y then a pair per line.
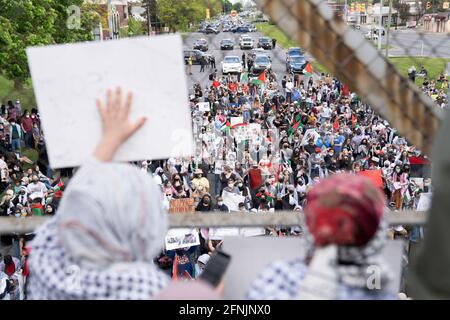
x,y
380,25
389,28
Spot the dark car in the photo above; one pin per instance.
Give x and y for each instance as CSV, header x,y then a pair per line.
x,y
261,63
195,54
201,44
226,44
211,29
294,51
241,30
296,64
264,43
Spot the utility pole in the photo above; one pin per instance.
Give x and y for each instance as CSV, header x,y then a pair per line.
x,y
110,20
389,28
380,25
149,21
345,11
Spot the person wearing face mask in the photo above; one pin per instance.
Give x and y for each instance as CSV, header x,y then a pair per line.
x,y
231,187
6,204
220,206
205,204
15,135
36,189
179,190
199,183
26,124
290,199
400,183
245,192
21,197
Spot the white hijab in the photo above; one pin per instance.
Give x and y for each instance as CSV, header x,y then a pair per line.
x,y
110,222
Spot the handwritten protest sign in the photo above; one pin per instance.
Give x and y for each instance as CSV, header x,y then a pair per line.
x,y
232,200
310,133
69,78
183,205
203,106
182,238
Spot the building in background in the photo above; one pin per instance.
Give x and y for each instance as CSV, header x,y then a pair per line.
x,y
117,17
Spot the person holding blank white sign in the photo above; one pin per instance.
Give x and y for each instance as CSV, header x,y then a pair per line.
x,y
109,227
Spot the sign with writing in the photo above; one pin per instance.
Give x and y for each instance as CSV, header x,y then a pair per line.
x,y
424,202
184,205
203,106
232,200
310,134
182,238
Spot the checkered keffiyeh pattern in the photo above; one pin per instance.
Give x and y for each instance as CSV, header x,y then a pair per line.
x,y
283,279
55,276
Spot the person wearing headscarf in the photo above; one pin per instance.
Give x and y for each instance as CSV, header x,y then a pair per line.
x,y
345,232
109,227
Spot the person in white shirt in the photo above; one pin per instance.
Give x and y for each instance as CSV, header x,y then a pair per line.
x,y
289,89
36,189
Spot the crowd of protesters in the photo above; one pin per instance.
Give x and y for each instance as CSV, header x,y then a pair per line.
x,y
287,135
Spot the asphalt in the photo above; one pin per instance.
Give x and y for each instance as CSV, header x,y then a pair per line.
x,y
278,54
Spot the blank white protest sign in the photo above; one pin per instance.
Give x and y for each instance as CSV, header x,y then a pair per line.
x,y
67,80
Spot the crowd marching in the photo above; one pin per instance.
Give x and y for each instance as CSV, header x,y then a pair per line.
x,y
266,140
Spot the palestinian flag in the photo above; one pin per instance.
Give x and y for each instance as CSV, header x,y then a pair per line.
x,y
37,209
297,122
353,121
243,124
261,79
308,69
226,127
244,76
336,124
216,83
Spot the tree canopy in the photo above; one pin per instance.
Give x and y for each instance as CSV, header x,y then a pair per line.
x,y
25,23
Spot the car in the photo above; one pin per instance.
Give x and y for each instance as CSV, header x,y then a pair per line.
x,y
201,44
211,29
370,36
241,29
258,51
226,44
231,64
264,43
296,64
195,54
294,51
261,63
246,43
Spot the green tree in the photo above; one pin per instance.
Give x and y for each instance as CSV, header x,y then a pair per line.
x,y
25,23
214,6
227,6
403,10
237,6
177,14
135,27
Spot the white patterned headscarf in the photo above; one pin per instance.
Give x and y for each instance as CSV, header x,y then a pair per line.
x,y
101,243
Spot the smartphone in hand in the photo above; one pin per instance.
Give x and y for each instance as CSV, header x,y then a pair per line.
x,y
215,268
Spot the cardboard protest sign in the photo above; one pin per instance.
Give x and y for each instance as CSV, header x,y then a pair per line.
x,y
310,133
203,106
182,238
183,205
232,200
69,78
424,202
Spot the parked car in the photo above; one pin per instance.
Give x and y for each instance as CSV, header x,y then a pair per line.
x,y
369,35
201,44
246,43
296,64
264,43
231,64
211,29
261,63
226,44
195,54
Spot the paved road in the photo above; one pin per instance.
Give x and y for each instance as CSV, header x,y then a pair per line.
x,y
278,55
409,43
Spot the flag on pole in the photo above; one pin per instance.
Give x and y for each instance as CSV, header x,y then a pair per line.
x,y
226,127
308,69
261,79
244,76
